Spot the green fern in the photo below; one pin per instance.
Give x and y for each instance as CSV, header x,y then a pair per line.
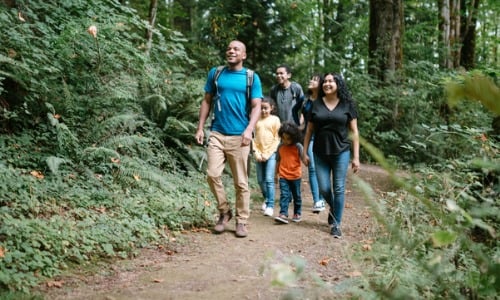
x,y
475,86
133,171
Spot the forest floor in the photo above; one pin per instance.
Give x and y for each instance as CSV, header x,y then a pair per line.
x,y
197,264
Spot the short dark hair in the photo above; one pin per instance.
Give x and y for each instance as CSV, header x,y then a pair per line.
x,y
286,67
292,130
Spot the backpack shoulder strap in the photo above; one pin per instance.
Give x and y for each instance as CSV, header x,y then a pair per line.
x,y
294,87
250,74
273,92
217,73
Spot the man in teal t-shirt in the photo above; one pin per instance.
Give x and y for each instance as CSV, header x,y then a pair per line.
x,y
231,134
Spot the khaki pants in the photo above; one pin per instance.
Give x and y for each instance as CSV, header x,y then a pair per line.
x,y
222,148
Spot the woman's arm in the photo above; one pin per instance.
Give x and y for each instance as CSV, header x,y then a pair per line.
x,y
353,126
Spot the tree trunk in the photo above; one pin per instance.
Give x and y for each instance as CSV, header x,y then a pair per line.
x,y
449,26
184,17
385,50
153,6
468,34
327,23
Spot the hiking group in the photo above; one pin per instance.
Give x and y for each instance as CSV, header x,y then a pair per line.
x,y
282,130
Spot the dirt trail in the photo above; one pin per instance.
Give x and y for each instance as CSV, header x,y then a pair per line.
x,y
201,265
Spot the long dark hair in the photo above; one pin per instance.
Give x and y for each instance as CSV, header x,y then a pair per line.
x,y
342,91
320,77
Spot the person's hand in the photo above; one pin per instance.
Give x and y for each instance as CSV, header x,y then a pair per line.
x,y
246,137
355,165
199,136
305,159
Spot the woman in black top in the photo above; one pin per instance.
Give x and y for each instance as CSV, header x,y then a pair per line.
x,y
331,118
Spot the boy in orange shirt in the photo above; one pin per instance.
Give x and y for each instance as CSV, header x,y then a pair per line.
x,y
289,170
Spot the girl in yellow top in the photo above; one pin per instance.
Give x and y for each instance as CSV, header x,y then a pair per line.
x,y
265,143
289,168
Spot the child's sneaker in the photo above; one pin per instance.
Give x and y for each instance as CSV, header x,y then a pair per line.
x,y
297,218
269,211
318,207
264,206
282,219
336,232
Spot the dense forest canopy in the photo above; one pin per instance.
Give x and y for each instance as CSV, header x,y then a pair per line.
x,y
99,102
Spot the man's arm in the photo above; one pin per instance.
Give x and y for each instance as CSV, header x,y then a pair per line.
x,y
254,117
206,105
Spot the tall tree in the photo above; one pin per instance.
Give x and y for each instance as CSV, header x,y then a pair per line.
x,y
468,33
449,25
385,38
153,6
183,15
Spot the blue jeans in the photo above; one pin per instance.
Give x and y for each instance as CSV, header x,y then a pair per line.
x,y
313,179
332,170
289,189
265,177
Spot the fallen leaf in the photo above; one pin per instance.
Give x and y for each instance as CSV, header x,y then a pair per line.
x,y
57,284
157,280
355,274
115,160
367,247
2,252
325,261
37,174
137,178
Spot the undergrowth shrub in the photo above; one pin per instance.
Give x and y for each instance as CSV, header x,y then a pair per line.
x,y
49,222
440,230
411,121
439,238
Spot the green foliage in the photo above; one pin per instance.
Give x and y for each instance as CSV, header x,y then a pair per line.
x,y
96,146
432,247
51,222
87,169
439,234
475,86
413,119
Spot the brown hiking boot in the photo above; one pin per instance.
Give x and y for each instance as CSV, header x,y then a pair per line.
x,y
241,230
223,219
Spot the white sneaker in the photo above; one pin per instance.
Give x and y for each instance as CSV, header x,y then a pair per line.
x,y
264,206
269,211
318,206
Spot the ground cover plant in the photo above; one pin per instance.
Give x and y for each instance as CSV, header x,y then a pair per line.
x,y
97,157
94,158
440,229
